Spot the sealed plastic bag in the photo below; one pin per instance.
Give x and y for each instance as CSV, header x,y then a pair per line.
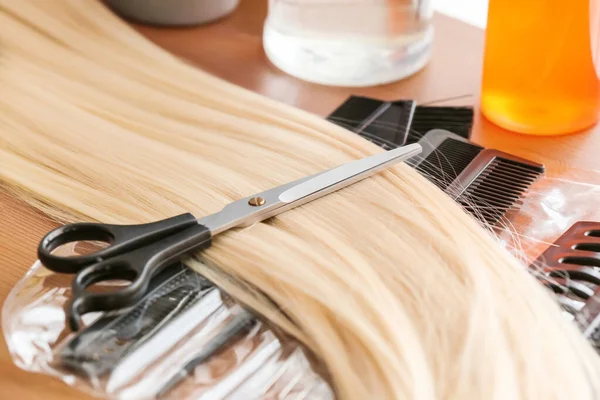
x,y
551,206
141,352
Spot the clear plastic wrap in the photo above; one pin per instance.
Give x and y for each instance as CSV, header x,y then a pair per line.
x,y
555,205
552,205
134,354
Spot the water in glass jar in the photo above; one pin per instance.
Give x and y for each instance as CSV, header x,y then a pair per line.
x,y
349,42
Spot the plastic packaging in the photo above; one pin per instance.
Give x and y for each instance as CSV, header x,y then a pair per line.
x,y
551,206
135,353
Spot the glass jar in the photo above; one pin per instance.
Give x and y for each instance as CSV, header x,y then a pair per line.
x,y
349,42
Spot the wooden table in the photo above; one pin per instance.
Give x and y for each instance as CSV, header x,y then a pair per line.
x,y
232,49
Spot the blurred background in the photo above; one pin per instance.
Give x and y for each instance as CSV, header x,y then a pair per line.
x,y
473,12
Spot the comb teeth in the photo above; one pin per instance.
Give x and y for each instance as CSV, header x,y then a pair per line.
x,y
384,123
572,265
449,160
353,113
390,124
493,184
486,183
445,164
458,120
572,271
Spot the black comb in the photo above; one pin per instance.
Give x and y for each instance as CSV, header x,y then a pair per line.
x,y
444,157
487,183
458,120
391,124
384,123
97,349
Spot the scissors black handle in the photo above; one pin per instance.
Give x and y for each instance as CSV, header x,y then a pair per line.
x,y
134,253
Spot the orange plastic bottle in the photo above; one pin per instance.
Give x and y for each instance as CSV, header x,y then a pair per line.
x,y
539,74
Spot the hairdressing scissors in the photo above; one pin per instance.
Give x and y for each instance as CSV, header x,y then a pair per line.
x,y
136,253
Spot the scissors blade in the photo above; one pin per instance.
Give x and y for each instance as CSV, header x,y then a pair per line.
x,y
269,203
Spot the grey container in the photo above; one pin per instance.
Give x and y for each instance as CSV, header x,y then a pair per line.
x,y
173,12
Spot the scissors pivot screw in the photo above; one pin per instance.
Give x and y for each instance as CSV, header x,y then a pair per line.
x,y
256,201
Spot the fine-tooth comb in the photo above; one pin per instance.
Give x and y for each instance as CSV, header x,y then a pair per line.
x,y
97,349
458,120
391,124
384,123
487,183
571,266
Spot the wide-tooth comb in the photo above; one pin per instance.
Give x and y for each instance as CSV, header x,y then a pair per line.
x,y
571,266
571,269
487,183
384,123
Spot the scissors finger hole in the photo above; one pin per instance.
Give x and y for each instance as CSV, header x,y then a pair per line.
x,y
80,248
108,286
109,280
78,240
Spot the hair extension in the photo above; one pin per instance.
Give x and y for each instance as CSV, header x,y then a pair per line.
x,y
396,289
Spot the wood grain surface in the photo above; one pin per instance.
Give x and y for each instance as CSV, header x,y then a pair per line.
x,y
232,49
